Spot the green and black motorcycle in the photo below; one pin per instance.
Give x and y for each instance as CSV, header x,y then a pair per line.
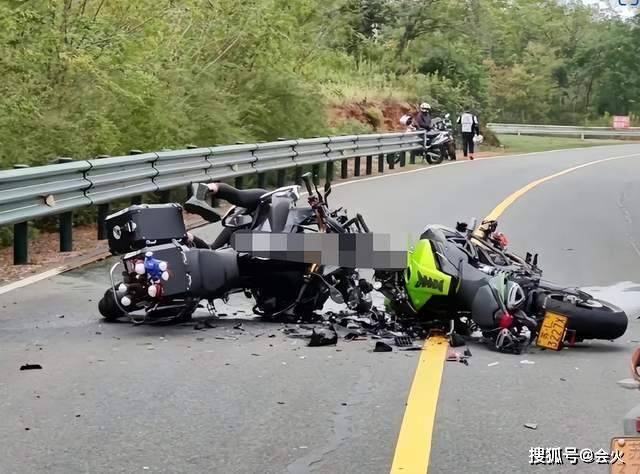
x,y
464,279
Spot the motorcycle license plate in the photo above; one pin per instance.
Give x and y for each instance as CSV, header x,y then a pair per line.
x,y
552,331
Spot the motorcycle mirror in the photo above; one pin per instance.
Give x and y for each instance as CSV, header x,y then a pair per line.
x,y
306,178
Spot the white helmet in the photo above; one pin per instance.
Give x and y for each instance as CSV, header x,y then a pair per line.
x,y
406,119
424,107
478,139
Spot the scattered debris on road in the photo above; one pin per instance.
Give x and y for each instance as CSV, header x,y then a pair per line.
x,y
31,367
531,426
382,347
323,337
527,362
493,364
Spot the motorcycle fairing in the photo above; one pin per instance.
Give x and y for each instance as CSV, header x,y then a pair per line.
x,y
424,276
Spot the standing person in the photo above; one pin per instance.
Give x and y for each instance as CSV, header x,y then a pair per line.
x,y
423,120
470,127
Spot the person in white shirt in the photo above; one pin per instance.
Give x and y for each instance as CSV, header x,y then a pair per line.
x,y
470,127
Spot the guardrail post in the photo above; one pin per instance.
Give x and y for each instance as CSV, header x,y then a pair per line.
x,y
391,158
369,165
315,172
330,171
65,223
412,157
262,179
136,200
356,166
345,170
403,159
282,175
20,237
381,163
103,212
21,243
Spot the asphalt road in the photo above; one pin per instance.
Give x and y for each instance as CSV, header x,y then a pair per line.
x,y
116,398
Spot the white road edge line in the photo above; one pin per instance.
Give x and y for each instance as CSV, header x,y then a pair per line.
x,y
58,270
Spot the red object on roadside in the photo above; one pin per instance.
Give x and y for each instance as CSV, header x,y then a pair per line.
x,y
621,121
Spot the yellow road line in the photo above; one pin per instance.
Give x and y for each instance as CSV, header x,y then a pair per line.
x,y
500,208
413,448
414,443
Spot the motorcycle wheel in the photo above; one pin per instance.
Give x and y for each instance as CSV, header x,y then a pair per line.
x,y
108,307
435,160
590,319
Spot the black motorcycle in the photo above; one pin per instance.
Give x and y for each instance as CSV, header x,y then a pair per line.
x,y
167,273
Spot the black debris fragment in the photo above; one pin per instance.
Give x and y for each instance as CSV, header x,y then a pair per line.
x,y
456,340
403,341
239,327
61,316
382,347
531,426
467,352
31,367
272,335
254,354
280,403
323,337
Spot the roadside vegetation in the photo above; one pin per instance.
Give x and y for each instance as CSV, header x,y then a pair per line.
x,y
89,77
530,144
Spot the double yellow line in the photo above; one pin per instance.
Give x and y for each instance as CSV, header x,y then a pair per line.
x,y
413,448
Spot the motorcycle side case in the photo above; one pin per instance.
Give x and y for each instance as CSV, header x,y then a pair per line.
x,y
142,225
179,282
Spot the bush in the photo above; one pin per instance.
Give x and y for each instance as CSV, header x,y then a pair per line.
x,y
375,117
490,138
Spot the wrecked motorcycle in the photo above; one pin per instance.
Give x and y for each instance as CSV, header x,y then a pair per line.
x,y
167,273
466,280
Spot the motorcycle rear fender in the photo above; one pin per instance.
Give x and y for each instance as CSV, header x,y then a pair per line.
x,y
213,272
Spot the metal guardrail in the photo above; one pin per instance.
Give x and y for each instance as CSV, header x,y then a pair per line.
x,y
582,132
31,193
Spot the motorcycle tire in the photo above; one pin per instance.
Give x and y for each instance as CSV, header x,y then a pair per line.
x,y
434,160
602,321
108,307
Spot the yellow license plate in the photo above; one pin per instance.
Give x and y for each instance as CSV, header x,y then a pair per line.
x,y
552,331
626,457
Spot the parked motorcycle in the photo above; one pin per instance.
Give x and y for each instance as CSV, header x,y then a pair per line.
x,y
167,272
464,279
445,125
439,143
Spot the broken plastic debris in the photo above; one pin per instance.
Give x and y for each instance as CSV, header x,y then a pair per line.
x,y
382,347
31,367
467,352
323,337
629,383
531,426
403,341
493,364
527,362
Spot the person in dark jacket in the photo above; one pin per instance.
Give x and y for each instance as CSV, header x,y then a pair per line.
x,y
470,127
423,120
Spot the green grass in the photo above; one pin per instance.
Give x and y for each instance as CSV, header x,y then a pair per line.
x,y
529,144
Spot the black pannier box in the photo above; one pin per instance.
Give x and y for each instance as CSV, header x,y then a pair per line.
x,y
142,225
179,281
